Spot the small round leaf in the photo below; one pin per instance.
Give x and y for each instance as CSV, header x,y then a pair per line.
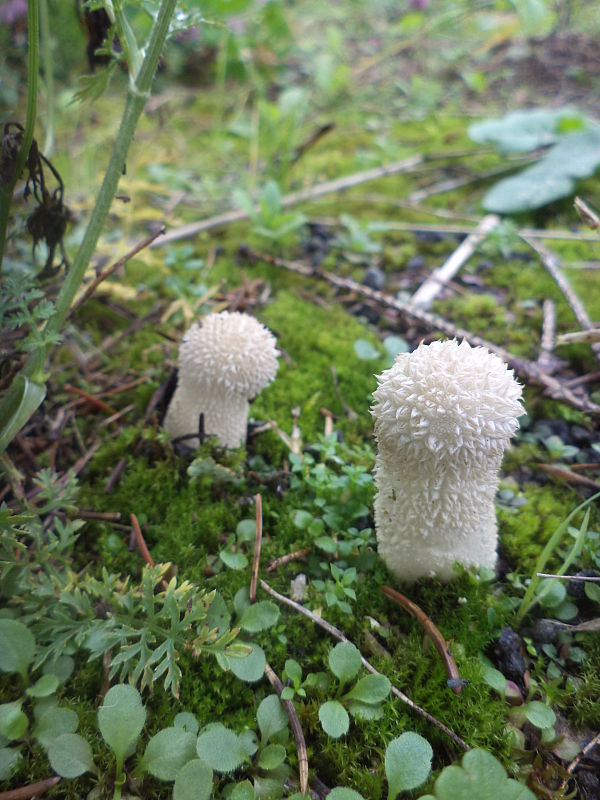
x,y
194,781
371,689
13,722
70,756
220,748
243,791
9,756
54,723
407,763
44,686
121,718
345,661
334,719
167,752
249,668
342,793
271,717
259,616
539,714
187,721
17,646
271,756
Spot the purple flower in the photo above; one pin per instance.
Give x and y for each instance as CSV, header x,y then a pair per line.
x,y
13,11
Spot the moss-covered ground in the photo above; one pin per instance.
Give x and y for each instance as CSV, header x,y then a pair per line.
x,y
193,148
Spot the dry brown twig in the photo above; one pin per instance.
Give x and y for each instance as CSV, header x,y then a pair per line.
x,y
33,790
297,555
579,758
568,475
257,547
528,371
336,633
143,547
455,682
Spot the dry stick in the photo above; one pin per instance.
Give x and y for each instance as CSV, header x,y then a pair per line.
x,y
297,555
26,792
546,357
296,728
429,290
529,371
580,756
91,288
141,543
552,265
586,214
257,546
569,476
89,398
455,682
312,192
583,578
335,632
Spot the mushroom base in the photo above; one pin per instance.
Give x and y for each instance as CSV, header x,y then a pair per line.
x,y
430,515
225,414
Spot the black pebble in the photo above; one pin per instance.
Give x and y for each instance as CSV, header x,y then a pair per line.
x,y
417,262
507,655
589,785
577,588
374,278
544,632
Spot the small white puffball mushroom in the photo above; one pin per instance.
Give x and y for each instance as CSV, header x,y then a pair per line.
x,y
223,363
443,416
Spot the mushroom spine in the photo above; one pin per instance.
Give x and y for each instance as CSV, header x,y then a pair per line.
x,y
443,415
223,363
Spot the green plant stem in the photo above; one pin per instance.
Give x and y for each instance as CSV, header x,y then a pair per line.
x,y
33,35
46,48
529,598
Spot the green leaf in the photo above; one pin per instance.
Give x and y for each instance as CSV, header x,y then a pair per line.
x,y
271,717
259,616
233,560
592,591
345,661
327,544
44,686
364,711
302,519
220,748
365,350
492,676
9,756
249,741
187,721
342,793
17,647
121,718
70,756
293,670
521,131
243,791
370,689
54,723
539,714
17,407
250,668
551,593
167,752
246,530
394,345
407,763
271,756
480,776
62,667
194,781
334,719
13,722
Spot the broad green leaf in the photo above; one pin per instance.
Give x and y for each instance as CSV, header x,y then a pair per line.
x,y
62,667
70,756
9,756
249,668
44,686
365,350
342,793
293,670
17,407
246,530
13,722
243,791
521,131
53,724
302,519
592,591
551,593
394,345
539,714
364,711
233,560
249,741
370,689
271,717
334,719
535,17
259,616
220,748
407,763
480,776
345,661
194,781
167,752
187,721
271,756
17,647
492,676
121,718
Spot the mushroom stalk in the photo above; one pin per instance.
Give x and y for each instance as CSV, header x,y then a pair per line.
x,y
444,415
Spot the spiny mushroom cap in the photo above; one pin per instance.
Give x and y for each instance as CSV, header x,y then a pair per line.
x,y
231,351
447,397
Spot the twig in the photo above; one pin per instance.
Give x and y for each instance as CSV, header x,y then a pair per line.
x,y
350,412
580,756
108,516
297,555
89,398
569,476
457,183
296,728
91,288
587,215
545,357
568,577
26,792
257,546
335,632
311,193
312,138
454,680
429,290
115,475
141,542
552,265
529,371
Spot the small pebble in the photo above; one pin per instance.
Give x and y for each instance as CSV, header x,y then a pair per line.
x,y
507,655
577,588
417,262
374,278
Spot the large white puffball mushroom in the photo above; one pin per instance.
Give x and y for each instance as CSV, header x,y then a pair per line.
x,y
443,417
223,363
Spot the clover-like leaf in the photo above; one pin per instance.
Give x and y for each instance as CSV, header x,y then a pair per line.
x,y
70,756
121,718
17,647
167,752
407,763
345,661
194,781
334,719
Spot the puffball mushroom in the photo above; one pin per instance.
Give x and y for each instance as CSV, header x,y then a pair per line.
x,y
443,416
223,363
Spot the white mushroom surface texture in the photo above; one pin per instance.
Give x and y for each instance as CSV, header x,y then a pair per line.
x,y
444,415
224,362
